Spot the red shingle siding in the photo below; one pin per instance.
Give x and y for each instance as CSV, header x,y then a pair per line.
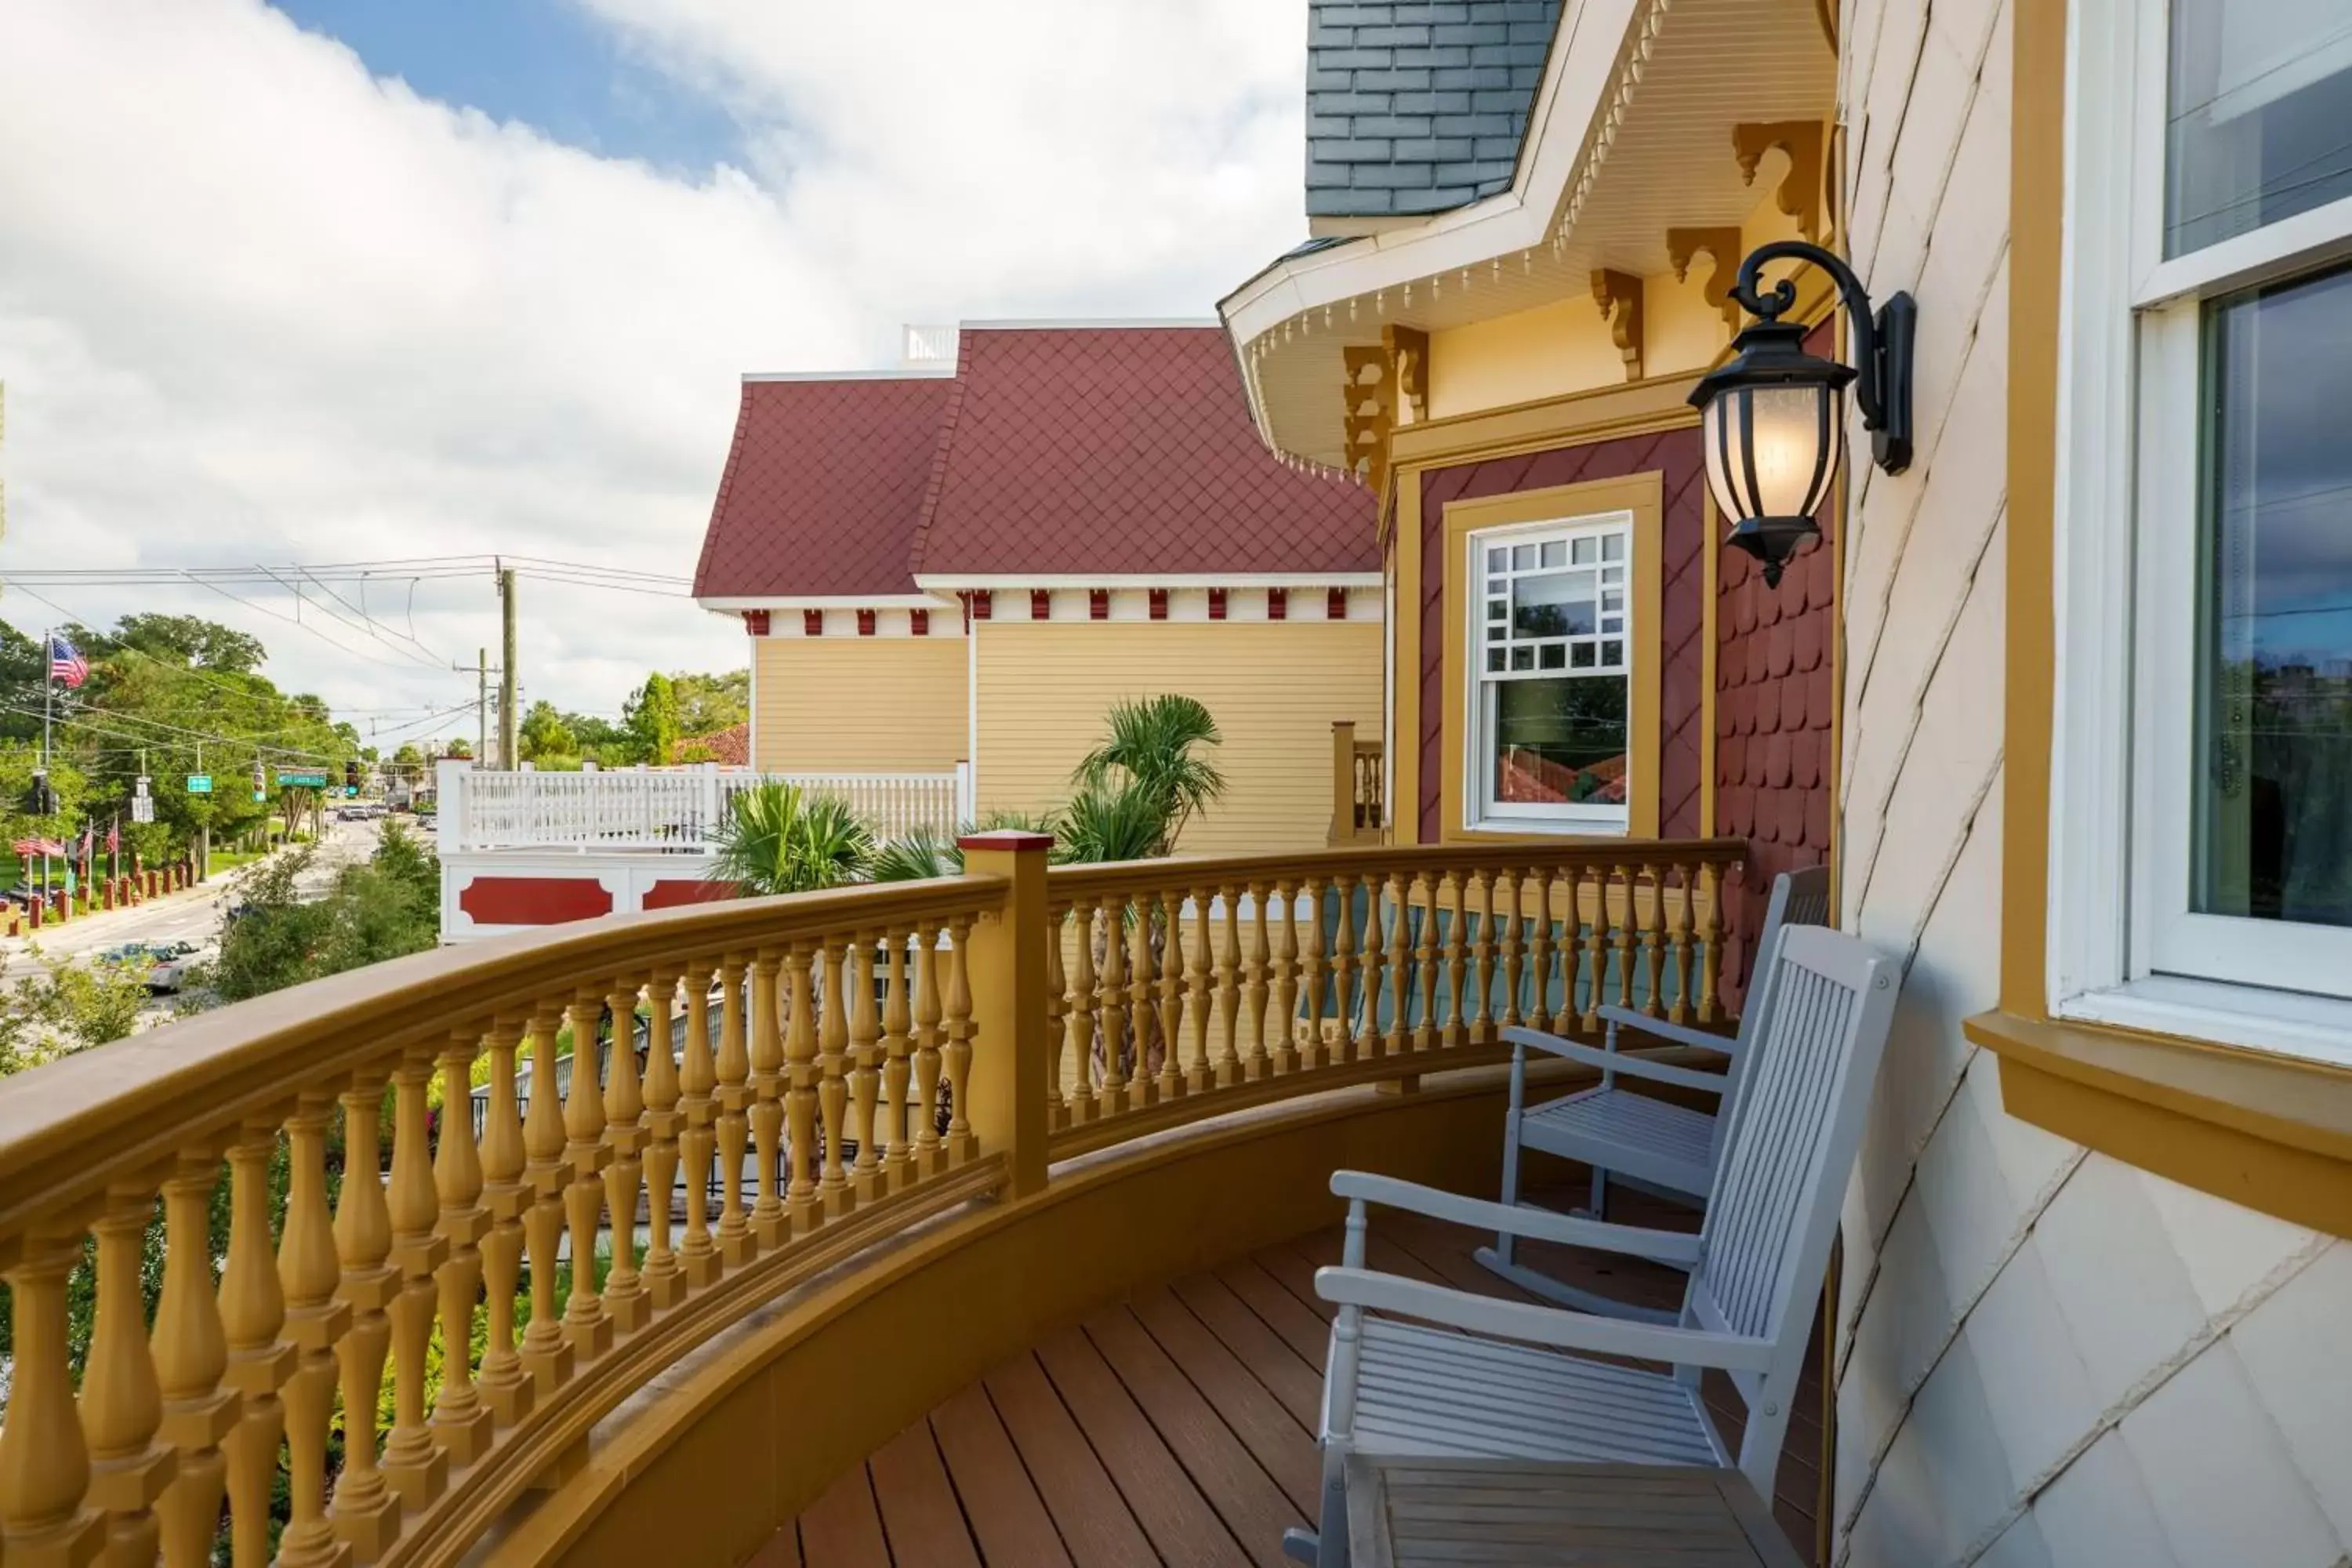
x,y
1677,457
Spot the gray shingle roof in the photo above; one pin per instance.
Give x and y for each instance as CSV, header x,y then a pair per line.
x,y
1415,106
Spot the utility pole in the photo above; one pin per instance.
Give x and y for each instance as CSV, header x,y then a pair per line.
x,y
509,756
483,671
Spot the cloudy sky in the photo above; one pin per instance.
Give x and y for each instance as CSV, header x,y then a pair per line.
x,y
342,280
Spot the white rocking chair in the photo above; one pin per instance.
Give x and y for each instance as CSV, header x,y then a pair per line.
x,y
1638,1139
1395,1388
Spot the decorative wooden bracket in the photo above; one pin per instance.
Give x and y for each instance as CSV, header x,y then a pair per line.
x,y
1800,194
1408,350
1721,248
1387,387
1618,294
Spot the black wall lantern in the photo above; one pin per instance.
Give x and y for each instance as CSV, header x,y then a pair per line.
x,y
1774,416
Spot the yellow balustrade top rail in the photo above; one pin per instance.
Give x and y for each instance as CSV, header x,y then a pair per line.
x,y
818,1073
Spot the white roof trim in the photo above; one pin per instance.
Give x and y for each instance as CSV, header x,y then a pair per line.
x,y
950,585
735,606
1089,324
1579,81
942,371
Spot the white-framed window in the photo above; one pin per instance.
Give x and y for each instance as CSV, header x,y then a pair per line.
x,y
2201,799
1550,627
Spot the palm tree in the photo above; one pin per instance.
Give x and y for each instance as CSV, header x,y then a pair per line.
x,y
778,839
1148,753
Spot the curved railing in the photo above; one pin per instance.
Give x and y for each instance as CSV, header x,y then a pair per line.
x,y
852,1062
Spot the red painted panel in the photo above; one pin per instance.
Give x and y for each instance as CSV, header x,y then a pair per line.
x,y
534,900
920,622
671,891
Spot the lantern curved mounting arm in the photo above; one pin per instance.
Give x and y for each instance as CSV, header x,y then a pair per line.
x,y
1881,339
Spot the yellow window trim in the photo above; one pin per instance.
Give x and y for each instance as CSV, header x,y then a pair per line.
x,y
1639,494
2267,1132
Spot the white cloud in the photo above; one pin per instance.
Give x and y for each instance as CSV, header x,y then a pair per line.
x,y
255,305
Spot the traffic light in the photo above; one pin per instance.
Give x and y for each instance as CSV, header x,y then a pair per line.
x,y
350,775
260,782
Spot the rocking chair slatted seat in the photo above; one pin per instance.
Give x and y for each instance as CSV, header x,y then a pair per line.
x,y
1620,1132
1473,1376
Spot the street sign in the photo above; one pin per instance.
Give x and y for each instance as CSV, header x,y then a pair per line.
x,y
304,780
143,808
200,783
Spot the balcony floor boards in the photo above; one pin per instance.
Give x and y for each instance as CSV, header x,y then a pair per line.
x,y
1178,1427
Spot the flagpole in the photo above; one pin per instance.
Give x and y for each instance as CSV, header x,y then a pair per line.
x,y
48,685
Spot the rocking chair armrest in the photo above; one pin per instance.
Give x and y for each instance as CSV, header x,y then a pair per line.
x,y
1538,1225
1617,1061
1530,1324
1675,1034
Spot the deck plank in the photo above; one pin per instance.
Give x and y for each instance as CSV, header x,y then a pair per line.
x,y
782,1550
1293,1380
1182,1523
1299,1326
1253,1412
1093,1520
921,1520
842,1530
1007,1518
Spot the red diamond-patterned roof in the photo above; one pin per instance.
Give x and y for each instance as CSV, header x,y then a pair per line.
x,y
1054,451
824,489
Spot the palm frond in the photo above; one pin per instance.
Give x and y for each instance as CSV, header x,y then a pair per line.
x,y
1110,822
1149,741
918,858
778,839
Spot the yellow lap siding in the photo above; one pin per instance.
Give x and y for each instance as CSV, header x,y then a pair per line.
x,y
860,704
1273,689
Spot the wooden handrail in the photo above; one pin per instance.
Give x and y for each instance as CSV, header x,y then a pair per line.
x,y
852,1062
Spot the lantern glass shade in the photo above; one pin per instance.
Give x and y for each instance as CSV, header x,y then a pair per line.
x,y
1773,449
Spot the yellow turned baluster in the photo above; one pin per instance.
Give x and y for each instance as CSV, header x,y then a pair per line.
x,y
505,1387
1682,946
736,1246
1540,951
698,1255
365,1512
865,1067
898,1153
1653,934
960,1031
777,1086
799,1078
1711,938
626,1301
44,1462
926,1109
1625,939
1481,1020
191,1349
461,1421
1228,988
1172,1081
546,1354
832,1080
1113,1038
1142,1012
1057,1014
665,1285
586,1323
1457,960
1513,951
413,1462
1596,955
1081,1017
1256,1056
253,1310
1311,973
1400,961
316,1321
1425,1025
1199,1000
1343,974
1365,1024
121,1404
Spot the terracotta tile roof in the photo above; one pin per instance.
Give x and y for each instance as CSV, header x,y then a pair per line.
x,y
1054,451
824,487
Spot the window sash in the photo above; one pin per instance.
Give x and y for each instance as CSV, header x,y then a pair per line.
x,y
1480,808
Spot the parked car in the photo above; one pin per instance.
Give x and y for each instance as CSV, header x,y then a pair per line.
x,y
171,962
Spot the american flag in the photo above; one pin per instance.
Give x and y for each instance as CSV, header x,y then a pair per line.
x,y
114,838
89,840
65,662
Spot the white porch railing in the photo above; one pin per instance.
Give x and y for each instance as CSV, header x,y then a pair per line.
x,y
666,809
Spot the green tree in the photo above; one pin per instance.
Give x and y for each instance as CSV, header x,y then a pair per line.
x,y
651,715
709,703
387,908
544,734
778,839
1145,772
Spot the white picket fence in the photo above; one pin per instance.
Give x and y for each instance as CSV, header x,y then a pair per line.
x,y
675,808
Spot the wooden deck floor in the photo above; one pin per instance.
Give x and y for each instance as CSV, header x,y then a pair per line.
x,y
1178,1427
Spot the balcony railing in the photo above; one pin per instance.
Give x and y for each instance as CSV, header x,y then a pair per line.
x,y
669,809
879,1056
1359,788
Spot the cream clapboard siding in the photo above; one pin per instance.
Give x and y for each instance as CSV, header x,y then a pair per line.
x,y
2047,1357
1274,689
861,704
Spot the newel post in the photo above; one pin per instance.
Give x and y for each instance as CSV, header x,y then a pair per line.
x,y
1343,781
1012,1057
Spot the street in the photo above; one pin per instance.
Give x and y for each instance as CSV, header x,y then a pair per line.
x,y
191,916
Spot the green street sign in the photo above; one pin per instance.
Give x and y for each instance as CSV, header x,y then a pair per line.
x,y
301,780
200,783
